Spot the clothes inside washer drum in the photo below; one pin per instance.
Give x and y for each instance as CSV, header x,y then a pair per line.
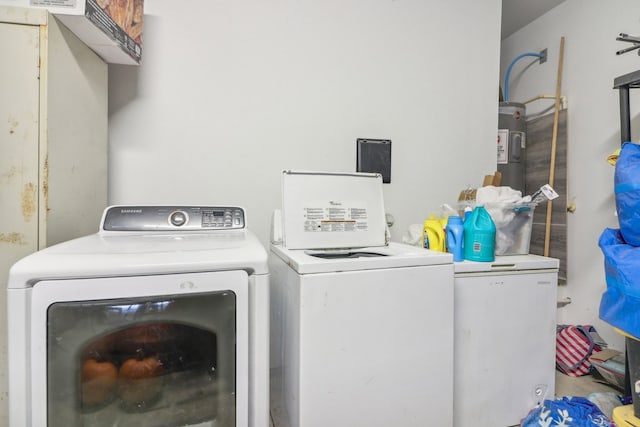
x,y
346,255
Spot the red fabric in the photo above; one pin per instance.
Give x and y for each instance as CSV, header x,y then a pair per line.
x,y
573,349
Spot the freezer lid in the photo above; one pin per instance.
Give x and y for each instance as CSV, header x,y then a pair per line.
x,y
508,263
332,210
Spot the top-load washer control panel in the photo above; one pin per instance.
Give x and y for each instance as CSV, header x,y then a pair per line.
x,y
173,218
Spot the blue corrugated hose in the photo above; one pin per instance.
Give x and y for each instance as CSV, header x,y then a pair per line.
x,y
506,77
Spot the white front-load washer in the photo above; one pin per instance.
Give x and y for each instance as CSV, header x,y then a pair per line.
x,y
362,332
159,319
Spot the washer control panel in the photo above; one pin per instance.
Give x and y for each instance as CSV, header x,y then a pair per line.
x,y
173,218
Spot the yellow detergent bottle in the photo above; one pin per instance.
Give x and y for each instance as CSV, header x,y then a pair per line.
x,y
433,234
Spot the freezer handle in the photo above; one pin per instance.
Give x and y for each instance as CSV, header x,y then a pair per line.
x,y
501,267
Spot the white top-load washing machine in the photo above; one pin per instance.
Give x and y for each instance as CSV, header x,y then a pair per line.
x,y
159,319
505,338
362,329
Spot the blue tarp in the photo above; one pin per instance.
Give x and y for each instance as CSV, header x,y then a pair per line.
x,y
627,192
620,303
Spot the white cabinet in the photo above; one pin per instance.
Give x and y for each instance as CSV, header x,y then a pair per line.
x,y
53,143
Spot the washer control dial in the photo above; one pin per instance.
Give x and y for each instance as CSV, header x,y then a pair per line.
x,y
178,218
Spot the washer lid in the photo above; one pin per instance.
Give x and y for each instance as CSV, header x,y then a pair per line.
x,y
332,210
396,255
508,263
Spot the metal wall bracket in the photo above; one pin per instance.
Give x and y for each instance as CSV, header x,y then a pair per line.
x,y
629,39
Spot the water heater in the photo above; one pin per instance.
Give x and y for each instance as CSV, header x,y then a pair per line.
x,y
512,130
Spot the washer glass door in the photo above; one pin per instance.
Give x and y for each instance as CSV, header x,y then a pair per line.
x,y
158,351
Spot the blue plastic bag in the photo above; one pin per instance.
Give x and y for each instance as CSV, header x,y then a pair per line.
x,y
566,412
627,192
620,303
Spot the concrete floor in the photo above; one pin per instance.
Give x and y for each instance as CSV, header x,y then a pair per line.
x,y
580,386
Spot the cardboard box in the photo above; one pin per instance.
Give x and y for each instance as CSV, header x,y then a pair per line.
x,y
111,28
609,365
469,195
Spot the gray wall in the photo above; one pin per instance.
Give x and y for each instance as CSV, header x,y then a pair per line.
x,y
590,65
230,93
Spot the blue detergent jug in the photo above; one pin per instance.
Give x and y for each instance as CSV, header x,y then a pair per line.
x,y
479,236
455,236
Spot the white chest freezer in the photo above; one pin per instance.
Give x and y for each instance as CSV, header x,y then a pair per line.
x,y
504,338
